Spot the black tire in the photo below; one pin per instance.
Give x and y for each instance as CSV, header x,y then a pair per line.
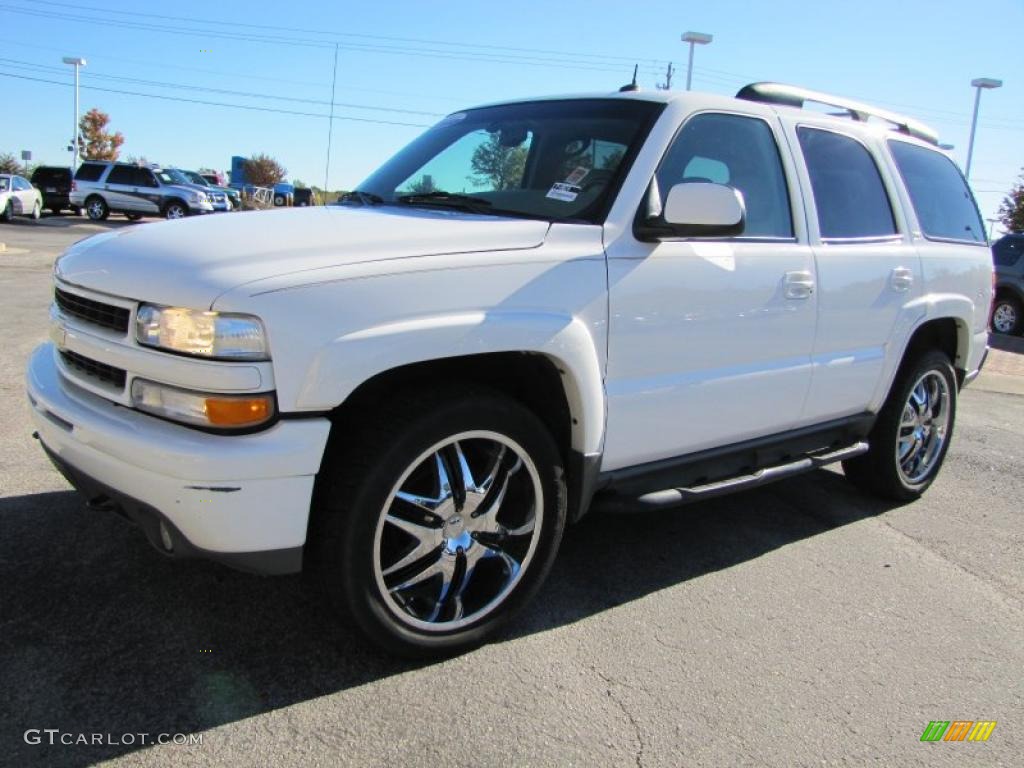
x,y
879,470
96,208
7,214
1007,315
133,216
362,470
176,209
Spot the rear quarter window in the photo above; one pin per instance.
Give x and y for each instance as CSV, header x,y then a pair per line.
x,y
89,172
942,200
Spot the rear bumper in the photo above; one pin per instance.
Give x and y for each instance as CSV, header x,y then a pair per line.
x,y
240,499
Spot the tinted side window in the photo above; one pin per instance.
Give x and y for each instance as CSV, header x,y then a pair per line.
x,y
942,200
738,151
848,189
89,172
121,174
143,177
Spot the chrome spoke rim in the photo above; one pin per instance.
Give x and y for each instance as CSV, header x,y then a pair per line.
x,y
923,427
458,530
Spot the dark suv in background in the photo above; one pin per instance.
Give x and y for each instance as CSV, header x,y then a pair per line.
x,y
1008,309
54,182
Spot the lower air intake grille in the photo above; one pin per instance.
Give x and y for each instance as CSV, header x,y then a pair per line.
x,y
107,374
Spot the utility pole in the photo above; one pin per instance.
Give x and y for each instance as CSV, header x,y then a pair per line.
x,y
330,121
76,62
669,71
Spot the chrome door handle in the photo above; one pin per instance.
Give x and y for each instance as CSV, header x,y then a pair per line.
x,y
799,284
901,279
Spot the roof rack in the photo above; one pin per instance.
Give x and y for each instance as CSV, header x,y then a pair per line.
x,y
793,96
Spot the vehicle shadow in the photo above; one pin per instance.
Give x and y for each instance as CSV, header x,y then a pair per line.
x,y
66,221
1006,343
102,634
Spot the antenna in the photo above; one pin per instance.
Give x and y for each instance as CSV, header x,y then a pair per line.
x,y
632,86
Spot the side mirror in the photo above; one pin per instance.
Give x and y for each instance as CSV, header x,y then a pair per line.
x,y
692,209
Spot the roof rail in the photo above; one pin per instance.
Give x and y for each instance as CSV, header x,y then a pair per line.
x,y
793,96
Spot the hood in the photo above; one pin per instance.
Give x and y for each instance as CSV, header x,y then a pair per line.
x,y
190,262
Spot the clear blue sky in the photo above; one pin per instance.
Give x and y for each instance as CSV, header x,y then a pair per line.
x,y
408,62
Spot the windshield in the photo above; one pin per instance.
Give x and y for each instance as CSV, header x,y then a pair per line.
x,y
554,160
172,176
195,178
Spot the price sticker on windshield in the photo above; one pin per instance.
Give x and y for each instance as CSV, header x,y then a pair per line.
x,y
564,192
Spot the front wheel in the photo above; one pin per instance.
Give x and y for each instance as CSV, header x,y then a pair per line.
x,y
7,214
176,210
1006,315
912,434
37,211
441,521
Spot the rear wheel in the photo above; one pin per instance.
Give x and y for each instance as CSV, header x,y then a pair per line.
x,y
1006,315
441,521
96,208
911,436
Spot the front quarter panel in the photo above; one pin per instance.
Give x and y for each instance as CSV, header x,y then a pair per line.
x,y
330,333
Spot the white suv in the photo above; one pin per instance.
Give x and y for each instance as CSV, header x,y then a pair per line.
x,y
630,300
101,188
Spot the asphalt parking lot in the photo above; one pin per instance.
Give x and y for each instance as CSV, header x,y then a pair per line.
x,y
799,624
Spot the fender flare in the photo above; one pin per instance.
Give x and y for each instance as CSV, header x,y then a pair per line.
x,y
343,364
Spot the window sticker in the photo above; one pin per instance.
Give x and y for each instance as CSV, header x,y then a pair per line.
x,y
564,192
577,175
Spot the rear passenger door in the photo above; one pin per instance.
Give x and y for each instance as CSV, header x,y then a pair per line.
x,y
869,272
147,191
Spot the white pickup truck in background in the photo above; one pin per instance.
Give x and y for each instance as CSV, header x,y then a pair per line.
x,y
627,300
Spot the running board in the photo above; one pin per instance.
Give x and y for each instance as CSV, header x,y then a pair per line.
x,y
672,497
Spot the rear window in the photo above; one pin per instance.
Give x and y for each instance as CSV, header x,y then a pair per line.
x,y
941,198
1007,250
51,175
89,172
848,190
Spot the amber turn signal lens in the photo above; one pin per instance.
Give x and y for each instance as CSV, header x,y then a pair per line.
x,y
238,411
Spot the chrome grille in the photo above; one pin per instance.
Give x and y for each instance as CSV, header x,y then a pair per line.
x,y
95,312
92,369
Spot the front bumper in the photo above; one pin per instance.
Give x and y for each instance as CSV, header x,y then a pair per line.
x,y
240,499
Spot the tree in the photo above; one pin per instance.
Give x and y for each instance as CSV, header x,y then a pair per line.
x,y
498,167
422,186
9,164
264,171
95,142
1011,211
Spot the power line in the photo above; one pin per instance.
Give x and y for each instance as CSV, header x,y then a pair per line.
x,y
216,103
20,64
391,38
326,44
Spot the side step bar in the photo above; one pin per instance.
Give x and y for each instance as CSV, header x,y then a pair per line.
x,y
673,497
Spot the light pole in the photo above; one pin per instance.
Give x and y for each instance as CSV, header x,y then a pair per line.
x,y
76,63
694,38
978,83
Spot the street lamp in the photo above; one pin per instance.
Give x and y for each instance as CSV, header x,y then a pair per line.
x,y
978,83
694,38
76,63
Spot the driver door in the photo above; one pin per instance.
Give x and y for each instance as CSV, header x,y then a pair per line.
x,y
710,339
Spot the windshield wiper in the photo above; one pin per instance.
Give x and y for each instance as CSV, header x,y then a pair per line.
x,y
447,200
361,197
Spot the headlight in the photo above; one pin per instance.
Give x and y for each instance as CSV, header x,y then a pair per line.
x,y
202,409
203,334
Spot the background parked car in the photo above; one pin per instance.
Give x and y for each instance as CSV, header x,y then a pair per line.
x,y
54,182
136,191
233,195
18,198
305,196
1008,308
